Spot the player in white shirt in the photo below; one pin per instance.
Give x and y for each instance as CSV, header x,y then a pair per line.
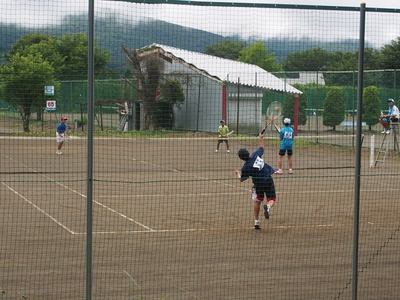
x,y
392,116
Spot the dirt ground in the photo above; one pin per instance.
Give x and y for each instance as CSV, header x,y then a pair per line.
x,y
169,218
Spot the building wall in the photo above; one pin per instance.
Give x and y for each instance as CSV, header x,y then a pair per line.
x,y
202,109
244,109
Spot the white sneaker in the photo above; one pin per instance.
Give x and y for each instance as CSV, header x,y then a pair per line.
x,y
279,172
216,151
290,171
227,151
58,152
257,224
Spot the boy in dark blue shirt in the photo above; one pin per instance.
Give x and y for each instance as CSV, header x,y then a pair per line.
x,y
260,172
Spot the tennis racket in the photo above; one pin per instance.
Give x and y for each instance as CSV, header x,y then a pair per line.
x,y
225,137
274,111
69,137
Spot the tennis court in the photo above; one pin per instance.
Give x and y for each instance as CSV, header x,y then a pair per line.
x,y
170,213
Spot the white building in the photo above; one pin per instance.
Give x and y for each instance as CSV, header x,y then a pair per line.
x,y
217,88
304,77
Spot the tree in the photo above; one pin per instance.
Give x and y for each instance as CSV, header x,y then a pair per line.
x,y
171,94
26,41
23,82
68,55
334,108
391,55
43,45
258,54
319,59
74,48
66,58
371,106
149,69
390,59
226,49
309,60
159,96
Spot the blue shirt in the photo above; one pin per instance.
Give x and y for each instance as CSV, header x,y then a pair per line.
x,y
61,128
256,168
286,135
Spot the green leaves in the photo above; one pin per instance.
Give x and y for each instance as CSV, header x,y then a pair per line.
x,y
24,79
258,54
37,60
334,108
371,106
226,49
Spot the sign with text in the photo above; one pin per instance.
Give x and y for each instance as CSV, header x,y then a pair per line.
x,y
51,105
49,90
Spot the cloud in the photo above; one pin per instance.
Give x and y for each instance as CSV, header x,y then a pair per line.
x,y
259,23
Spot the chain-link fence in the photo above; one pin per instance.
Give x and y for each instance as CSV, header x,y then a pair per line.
x,y
154,209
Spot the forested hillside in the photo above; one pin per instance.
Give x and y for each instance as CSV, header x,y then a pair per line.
x,y
110,34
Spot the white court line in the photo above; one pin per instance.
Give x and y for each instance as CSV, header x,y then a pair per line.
x,y
74,191
38,208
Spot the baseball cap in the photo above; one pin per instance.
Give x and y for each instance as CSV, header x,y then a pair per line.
x,y
222,121
390,100
286,121
64,118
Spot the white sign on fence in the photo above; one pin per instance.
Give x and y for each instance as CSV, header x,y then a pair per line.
x,y
51,105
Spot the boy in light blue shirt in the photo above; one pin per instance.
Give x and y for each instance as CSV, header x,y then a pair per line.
x,y
286,136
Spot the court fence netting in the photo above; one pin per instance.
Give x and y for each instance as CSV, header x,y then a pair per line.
x,y
139,204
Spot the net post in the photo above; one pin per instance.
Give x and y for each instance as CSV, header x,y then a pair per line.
x,y
357,184
372,152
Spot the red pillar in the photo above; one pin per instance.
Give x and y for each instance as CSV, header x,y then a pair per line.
x,y
296,115
224,103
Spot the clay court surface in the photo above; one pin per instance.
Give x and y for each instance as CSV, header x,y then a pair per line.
x,y
170,213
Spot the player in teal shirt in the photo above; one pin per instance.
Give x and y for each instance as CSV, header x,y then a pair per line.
x,y
286,136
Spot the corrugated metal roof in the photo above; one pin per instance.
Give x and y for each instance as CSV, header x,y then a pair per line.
x,y
225,70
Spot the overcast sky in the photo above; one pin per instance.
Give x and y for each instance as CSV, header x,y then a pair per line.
x,y
351,3
246,22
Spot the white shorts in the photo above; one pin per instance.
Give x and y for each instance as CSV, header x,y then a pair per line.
x,y
60,137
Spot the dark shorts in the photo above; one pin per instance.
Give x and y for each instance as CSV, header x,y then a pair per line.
x,y
267,189
391,120
289,152
223,140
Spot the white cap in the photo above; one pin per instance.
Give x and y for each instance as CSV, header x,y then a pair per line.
x,y
286,121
